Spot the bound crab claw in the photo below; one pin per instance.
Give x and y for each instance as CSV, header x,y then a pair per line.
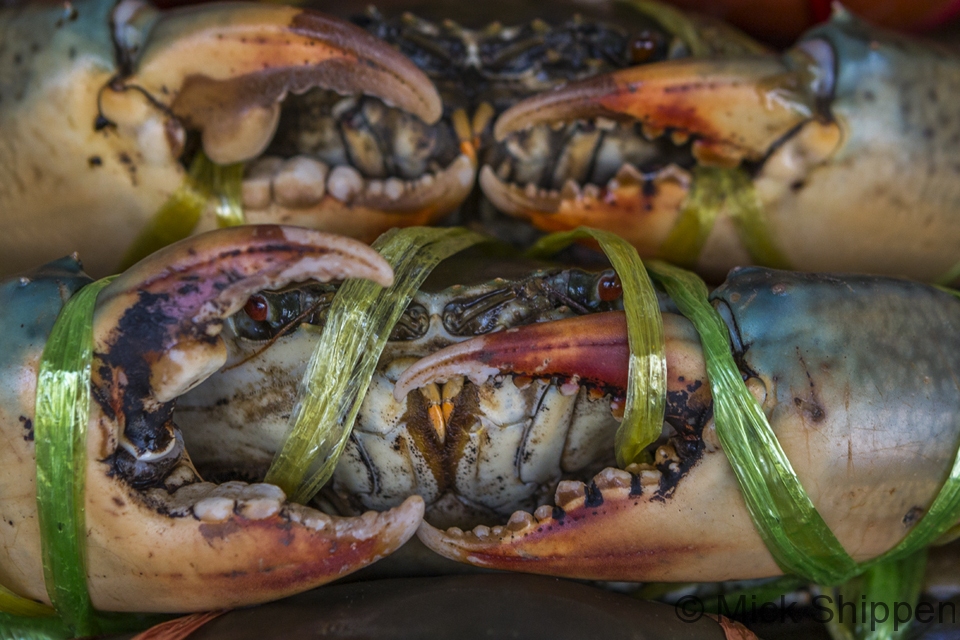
x,y
145,90
821,134
870,439
158,537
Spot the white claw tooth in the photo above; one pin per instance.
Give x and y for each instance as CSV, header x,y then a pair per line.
x,y
543,512
427,179
591,191
531,191
344,183
570,387
567,492
519,521
256,186
456,532
393,188
481,531
611,478
259,501
374,188
300,182
214,509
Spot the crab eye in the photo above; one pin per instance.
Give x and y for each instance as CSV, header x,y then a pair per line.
x,y
609,287
641,48
257,308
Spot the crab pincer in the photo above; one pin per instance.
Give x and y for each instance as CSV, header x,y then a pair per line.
x,y
846,412
159,538
744,159
150,92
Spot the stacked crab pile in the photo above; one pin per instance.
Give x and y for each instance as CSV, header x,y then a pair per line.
x,y
475,403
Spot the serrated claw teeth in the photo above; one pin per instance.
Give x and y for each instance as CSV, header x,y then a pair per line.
x,y
740,106
223,69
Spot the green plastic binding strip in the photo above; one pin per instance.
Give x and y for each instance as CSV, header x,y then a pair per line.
x,y
62,411
60,427
178,216
700,210
796,535
358,325
19,606
714,190
647,387
786,519
887,583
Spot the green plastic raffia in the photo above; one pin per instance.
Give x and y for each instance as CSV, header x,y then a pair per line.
x,y
357,328
178,216
793,530
60,428
714,190
647,387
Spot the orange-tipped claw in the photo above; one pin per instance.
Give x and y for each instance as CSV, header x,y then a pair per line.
x,y
591,348
735,108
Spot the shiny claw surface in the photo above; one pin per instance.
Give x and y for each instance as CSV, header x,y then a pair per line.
x,y
159,538
833,396
810,160
107,104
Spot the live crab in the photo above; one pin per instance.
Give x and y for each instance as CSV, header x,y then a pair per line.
x,y
840,154
493,396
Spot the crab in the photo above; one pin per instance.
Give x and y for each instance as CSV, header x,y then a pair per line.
x,y
495,402
840,154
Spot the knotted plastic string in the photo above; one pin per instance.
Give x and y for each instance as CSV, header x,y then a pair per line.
x,y
647,381
714,190
178,216
794,532
357,328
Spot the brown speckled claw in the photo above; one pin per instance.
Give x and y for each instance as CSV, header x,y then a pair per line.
x,y
159,538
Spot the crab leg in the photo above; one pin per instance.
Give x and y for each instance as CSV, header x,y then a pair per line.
x,y
847,415
159,538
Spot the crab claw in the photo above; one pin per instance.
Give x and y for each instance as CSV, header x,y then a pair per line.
x,y
158,537
648,129
223,69
733,108
592,348
617,526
